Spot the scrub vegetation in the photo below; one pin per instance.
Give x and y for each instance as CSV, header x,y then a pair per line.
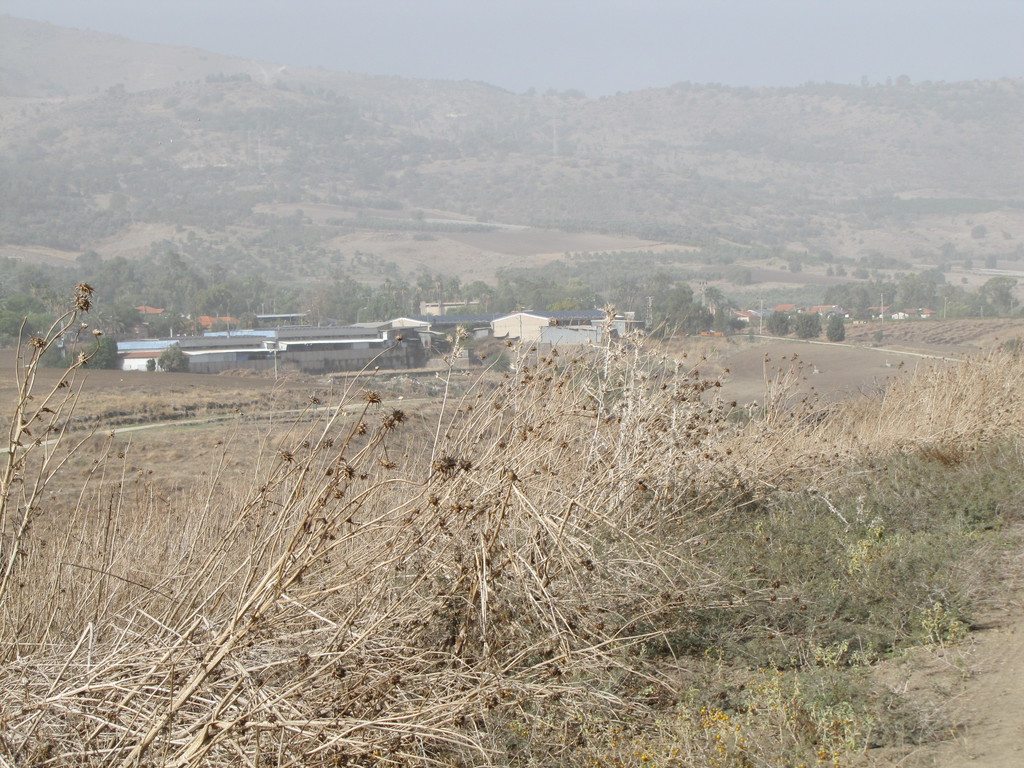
x,y
589,560
180,180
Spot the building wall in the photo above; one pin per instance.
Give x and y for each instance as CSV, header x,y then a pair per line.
x,y
408,353
312,356
524,327
218,362
135,363
557,336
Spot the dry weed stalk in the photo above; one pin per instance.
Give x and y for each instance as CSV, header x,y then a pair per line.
x,y
376,597
346,607
973,402
948,407
37,426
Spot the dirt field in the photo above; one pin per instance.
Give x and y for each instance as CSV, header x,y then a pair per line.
x,y
832,371
981,681
118,398
177,429
941,337
836,371
478,255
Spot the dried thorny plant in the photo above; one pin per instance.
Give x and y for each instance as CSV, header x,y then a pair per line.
x,y
359,602
795,439
376,594
37,427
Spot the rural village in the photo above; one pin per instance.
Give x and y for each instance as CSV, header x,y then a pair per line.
x,y
382,421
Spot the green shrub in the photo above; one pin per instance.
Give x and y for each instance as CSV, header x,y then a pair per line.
x,y
104,353
836,329
173,360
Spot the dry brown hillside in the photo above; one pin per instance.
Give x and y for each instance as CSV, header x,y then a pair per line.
x,y
156,135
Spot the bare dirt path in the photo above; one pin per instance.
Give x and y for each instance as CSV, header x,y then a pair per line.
x,y
989,707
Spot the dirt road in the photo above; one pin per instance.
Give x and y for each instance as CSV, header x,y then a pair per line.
x,y
988,707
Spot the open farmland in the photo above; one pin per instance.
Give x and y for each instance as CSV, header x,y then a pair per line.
x,y
585,561
744,366
832,372
715,549
115,398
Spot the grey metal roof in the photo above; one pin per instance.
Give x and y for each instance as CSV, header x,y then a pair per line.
x,y
326,332
254,339
562,316
219,342
441,320
267,333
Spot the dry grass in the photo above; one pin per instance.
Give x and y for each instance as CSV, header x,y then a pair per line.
x,y
499,586
941,408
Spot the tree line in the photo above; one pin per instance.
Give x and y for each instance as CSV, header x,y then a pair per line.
x,y
186,288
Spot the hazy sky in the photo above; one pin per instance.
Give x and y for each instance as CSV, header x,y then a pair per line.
x,y
597,46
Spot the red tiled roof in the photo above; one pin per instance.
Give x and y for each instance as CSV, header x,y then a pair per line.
x,y
208,322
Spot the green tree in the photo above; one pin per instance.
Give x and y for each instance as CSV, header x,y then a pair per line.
x,y
19,309
104,354
117,317
808,326
921,290
676,311
215,300
167,324
836,329
697,320
392,299
574,295
90,263
999,293
778,324
173,360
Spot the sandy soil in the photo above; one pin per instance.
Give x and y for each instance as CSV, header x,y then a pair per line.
x,y
832,371
987,701
38,255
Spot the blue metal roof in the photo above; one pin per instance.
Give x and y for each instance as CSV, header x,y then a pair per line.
x,y
144,345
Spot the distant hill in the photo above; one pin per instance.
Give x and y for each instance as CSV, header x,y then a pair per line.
x,y
42,60
102,137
